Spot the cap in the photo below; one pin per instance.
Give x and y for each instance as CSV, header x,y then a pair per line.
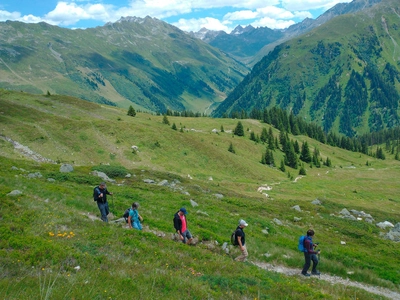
x,y
243,223
183,210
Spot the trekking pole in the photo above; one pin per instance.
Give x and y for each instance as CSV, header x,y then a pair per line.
x,y
112,202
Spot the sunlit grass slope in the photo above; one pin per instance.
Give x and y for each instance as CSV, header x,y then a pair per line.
x,y
46,232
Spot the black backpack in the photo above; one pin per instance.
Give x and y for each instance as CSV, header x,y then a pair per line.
x,y
95,194
233,238
126,214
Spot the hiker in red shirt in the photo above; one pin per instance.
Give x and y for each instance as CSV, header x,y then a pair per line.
x,y
180,224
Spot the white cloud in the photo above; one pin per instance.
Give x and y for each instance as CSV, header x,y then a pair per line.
x,y
196,24
271,13
5,15
241,15
310,4
274,12
272,23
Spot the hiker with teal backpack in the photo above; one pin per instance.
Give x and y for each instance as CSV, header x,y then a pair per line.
x,y
307,246
134,218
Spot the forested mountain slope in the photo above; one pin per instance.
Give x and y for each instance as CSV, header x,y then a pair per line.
x,y
343,75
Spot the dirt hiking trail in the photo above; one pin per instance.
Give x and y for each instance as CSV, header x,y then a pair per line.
x,y
332,279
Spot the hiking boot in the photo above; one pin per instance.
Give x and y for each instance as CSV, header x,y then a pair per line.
x,y
306,274
315,273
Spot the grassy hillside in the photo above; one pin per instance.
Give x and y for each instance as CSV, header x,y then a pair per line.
x,y
145,62
47,231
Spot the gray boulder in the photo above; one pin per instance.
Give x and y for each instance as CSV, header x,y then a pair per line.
x,y
193,203
394,233
278,222
66,168
35,175
296,208
384,225
150,181
316,202
103,176
345,212
14,193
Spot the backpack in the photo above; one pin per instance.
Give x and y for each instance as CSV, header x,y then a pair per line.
x,y
301,244
95,194
126,214
234,239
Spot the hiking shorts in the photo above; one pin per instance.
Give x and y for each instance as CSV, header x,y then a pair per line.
x,y
186,235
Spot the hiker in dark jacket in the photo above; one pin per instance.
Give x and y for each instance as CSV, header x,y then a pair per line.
x,y
241,241
180,224
310,254
100,196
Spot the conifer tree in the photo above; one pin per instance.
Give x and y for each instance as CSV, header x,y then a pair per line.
x,y
264,135
165,120
239,129
231,149
296,147
282,167
269,158
263,161
174,126
131,111
290,156
222,128
328,162
253,136
302,171
305,154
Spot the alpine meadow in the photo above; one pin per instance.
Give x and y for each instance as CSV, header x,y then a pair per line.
x,y
284,130
54,245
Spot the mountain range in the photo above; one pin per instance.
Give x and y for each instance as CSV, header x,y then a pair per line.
x,y
340,71
249,44
343,75
142,62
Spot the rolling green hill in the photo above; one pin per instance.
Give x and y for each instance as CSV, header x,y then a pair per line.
x,y
343,75
53,247
146,63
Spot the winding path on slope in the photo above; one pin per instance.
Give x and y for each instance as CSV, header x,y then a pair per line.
x,y
332,279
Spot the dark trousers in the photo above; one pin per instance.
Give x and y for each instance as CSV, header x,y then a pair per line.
x,y
308,258
103,207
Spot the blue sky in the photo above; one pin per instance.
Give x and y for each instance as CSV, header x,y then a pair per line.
x,y
188,15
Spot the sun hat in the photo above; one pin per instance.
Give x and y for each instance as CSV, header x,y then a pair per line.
x,y
243,223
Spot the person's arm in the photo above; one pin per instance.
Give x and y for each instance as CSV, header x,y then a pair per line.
x,y
239,238
130,221
178,226
310,247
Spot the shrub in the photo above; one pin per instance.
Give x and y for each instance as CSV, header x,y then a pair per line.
x,y
112,171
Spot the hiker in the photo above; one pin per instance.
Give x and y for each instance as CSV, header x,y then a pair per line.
x,y
100,196
180,224
241,241
310,255
134,218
